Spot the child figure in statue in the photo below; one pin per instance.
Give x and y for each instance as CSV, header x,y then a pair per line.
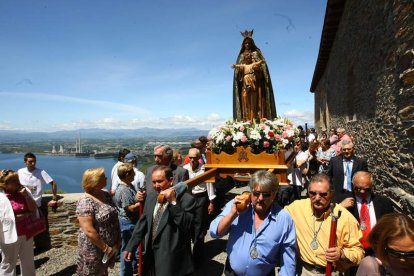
x,y
251,92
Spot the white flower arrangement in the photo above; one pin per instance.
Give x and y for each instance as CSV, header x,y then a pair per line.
x,y
267,135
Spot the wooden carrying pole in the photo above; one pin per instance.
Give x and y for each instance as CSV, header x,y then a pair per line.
x,y
332,237
140,246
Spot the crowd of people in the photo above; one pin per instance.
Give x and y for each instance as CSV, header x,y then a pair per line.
x,y
155,224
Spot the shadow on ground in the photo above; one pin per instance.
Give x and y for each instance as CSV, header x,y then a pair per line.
x,y
70,270
212,267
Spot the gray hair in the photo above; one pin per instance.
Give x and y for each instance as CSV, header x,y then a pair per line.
x,y
346,142
321,177
168,151
264,179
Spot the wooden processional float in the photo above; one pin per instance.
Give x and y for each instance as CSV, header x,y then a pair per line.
x,y
242,164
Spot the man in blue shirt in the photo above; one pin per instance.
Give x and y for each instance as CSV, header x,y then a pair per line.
x,y
261,237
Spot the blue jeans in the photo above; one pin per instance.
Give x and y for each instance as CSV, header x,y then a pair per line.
x,y
127,268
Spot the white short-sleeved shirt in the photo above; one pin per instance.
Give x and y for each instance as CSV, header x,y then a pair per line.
x,y
138,181
8,232
114,176
34,181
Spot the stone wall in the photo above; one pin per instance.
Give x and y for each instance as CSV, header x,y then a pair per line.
x,y
368,88
63,225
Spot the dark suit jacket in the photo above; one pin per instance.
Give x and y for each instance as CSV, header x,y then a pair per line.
x,y
336,173
180,175
170,253
382,206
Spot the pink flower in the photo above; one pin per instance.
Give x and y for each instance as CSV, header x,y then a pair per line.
x,y
229,138
277,137
262,127
271,134
287,127
266,144
285,134
241,128
243,139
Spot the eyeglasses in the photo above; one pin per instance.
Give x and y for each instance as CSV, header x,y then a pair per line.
x,y
358,189
399,254
313,194
264,194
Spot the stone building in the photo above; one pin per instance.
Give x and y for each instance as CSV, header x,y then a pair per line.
x,y
364,82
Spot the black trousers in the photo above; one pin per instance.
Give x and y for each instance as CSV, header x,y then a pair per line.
x,y
200,227
42,241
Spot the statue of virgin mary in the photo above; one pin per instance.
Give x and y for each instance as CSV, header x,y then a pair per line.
x,y
253,97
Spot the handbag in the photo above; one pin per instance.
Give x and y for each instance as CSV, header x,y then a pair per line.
x,y
35,225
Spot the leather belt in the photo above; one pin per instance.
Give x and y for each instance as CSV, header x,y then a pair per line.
x,y
313,268
199,195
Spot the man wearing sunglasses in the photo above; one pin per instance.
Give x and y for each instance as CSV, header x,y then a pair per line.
x,y
312,217
366,206
260,237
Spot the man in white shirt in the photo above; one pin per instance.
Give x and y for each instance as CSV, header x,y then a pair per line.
x,y
114,172
376,205
297,171
34,178
204,195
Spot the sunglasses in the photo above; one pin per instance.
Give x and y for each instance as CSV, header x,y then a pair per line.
x,y
358,189
399,254
313,194
264,194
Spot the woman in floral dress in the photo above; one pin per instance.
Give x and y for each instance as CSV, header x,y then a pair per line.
x,y
99,227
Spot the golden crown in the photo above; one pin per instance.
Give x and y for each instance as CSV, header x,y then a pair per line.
x,y
247,33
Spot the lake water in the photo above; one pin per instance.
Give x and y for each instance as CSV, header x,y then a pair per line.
x,y
67,171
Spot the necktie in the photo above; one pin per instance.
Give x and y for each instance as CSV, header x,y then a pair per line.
x,y
348,175
365,223
156,220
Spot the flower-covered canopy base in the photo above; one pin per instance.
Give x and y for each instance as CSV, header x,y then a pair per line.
x,y
264,136
244,155
238,149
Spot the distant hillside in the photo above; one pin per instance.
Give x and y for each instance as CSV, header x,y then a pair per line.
x,y
97,133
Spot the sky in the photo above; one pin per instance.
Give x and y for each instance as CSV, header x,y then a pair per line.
x,y
68,65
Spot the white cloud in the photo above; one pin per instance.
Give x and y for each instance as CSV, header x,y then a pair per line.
x,y
300,117
176,121
66,99
6,125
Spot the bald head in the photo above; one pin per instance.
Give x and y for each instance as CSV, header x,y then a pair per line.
x,y
362,182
